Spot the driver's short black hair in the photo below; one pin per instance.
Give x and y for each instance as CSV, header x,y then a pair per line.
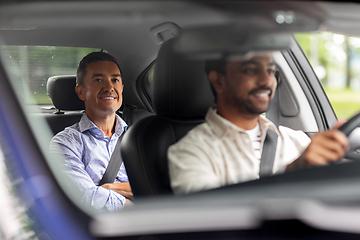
x,y
92,57
217,65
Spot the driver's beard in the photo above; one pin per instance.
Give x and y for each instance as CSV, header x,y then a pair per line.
x,y
249,107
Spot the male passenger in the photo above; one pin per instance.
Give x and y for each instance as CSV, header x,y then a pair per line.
x,y
226,149
87,146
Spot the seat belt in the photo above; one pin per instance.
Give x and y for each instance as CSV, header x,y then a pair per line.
x,y
114,164
270,143
268,154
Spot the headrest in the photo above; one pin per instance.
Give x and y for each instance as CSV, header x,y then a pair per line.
x,y
61,90
181,87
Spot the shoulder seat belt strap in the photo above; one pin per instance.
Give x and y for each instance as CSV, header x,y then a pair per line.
x,y
269,148
114,164
268,154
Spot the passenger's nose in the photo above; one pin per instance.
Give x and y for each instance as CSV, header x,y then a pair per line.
x,y
108,85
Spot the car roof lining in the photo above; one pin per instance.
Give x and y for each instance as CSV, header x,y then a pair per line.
x,y
126,21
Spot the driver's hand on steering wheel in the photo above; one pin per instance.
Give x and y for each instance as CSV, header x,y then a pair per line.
x,y
325,147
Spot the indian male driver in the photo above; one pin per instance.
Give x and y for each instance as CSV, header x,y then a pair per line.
x,y
226,149
87,146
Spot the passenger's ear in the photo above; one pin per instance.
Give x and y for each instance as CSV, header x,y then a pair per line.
x,y
79,92
122,88
216,79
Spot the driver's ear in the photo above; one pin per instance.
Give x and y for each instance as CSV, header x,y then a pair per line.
x,y
217,81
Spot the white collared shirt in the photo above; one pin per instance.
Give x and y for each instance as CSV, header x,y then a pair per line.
x,y
218,153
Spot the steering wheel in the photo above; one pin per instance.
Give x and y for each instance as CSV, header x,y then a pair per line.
x,y
350,125
347,128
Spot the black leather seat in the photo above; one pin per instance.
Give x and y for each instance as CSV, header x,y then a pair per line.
x,y
61,90
70,108
181,98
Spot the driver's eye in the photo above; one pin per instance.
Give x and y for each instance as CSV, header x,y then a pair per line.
x,y
249,70
272,72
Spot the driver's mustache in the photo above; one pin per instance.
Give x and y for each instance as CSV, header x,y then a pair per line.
x,y
261,88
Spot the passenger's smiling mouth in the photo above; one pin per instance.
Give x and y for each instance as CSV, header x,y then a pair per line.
x,y
108,97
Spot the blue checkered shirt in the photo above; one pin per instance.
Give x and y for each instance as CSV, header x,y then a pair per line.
x,y
87,153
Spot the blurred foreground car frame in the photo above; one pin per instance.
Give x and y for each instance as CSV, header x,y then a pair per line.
x,y
312,203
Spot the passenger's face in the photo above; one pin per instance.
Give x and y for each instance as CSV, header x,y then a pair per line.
x,y
102,90
249,85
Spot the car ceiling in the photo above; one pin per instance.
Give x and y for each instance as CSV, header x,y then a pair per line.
x,y
123,27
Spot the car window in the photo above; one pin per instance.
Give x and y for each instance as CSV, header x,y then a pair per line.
x,y
335,58
35,64
29,68
146,83
150,76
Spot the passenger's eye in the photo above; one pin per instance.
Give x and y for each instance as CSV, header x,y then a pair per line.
x,y
116,80
98,80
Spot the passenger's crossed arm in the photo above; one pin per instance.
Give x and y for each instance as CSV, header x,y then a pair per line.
x,y
122,188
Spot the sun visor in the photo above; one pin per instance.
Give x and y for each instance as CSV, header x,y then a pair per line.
x,y
217,44
244,35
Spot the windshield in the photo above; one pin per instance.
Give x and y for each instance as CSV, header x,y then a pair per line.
x,y
174,61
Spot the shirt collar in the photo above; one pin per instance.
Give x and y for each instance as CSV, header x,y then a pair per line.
x,y
221,125
86,124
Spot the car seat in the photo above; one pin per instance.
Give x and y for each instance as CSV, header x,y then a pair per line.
x,y
61,90
181,98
